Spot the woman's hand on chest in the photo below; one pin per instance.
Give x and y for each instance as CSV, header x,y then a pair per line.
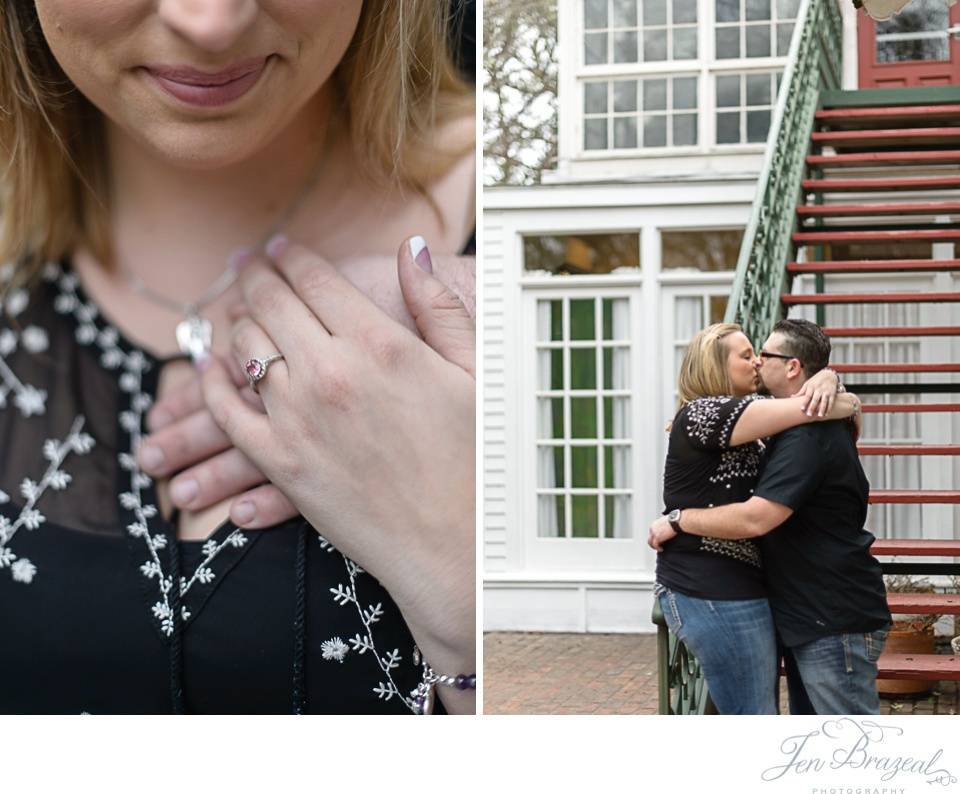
x,y
368,430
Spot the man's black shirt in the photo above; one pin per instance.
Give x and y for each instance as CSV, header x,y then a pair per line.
x,y
821,578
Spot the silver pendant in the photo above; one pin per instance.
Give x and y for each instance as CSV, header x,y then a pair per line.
x,y
195,336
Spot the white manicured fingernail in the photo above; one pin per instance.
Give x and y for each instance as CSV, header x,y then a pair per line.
x,y
420,254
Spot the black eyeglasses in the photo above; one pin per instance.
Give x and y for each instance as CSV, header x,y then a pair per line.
x,y
765,354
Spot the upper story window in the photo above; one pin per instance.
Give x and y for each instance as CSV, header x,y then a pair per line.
x,y
745,105
582,254
639,31
754,28
648,113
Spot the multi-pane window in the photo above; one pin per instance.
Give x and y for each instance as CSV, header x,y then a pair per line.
x,y
633,31
754,28
744,106
583,395
634,114
581,254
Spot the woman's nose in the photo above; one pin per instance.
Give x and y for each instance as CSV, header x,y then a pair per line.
x,y
213,25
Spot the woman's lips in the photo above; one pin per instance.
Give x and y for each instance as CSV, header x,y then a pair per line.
x,y
208,89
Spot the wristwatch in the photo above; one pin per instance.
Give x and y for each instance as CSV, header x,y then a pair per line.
x,y
674,518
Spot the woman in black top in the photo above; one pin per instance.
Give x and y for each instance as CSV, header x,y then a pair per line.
x,y
711,591
147,144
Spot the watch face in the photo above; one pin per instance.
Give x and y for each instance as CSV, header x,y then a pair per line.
x,y
674,515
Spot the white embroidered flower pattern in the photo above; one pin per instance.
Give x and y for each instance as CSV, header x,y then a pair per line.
x,y
334,650
17,301
8,342
361,643
28,399
32,401
34,339
21,569
133,365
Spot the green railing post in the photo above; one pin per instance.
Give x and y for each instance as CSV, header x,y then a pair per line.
x,y
663,659
813,66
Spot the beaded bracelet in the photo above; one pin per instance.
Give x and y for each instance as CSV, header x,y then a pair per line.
x,y
425,690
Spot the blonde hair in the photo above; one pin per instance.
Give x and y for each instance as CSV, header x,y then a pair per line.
x,y
397,82
703,371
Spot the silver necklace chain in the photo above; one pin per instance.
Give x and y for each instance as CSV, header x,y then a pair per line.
x,y
195,332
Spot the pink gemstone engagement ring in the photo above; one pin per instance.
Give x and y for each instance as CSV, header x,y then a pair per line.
x,y
256,369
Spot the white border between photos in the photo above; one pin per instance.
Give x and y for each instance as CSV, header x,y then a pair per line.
x,y
478,365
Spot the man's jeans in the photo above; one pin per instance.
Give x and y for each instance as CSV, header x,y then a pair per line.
x,y
735,644
835,674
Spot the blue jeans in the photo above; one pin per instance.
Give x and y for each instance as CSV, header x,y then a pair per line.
x,y
835,674
735,644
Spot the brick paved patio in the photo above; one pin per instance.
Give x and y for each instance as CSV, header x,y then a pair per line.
x,y
526,673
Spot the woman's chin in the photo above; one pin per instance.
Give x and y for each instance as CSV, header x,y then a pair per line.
x,y
202,147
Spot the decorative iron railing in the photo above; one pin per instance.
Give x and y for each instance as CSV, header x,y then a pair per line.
x,y
684,691
813,66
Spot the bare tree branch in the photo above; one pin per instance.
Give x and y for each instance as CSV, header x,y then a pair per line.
x,y
520,90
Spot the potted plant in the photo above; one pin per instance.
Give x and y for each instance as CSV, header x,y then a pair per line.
x,y
909,634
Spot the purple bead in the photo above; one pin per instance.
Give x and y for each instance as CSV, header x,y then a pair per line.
x,y
460,682
472,681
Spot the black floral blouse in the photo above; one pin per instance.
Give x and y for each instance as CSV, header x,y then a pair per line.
x,y
703,470
102,609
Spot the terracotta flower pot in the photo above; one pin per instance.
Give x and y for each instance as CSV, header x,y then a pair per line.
x,y
907,641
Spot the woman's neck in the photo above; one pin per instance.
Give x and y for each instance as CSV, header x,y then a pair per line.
x,y
175,227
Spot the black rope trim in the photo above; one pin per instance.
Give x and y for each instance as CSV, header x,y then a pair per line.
x,y
299,695
176,641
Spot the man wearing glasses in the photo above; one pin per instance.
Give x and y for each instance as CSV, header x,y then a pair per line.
x,y
808,510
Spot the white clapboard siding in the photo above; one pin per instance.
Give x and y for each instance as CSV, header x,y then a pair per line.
x,y
494,396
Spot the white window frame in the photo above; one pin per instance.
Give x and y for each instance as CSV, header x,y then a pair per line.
x,y
704,67
595,554
611,114
774,77
639,29
743,23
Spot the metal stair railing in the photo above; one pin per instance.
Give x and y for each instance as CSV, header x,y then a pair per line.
x,y
814,65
